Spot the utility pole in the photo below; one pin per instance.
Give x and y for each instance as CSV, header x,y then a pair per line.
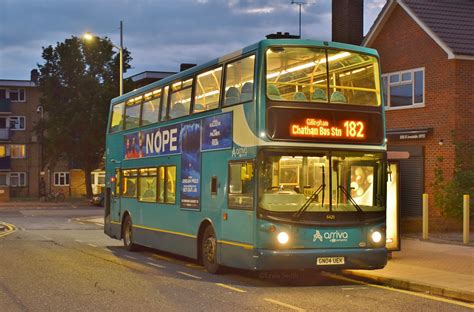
x,y
300,3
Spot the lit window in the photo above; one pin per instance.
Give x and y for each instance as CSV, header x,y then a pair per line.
x,y
61,179
208,90
129,184
17,179
18,150
241,184
180,99
404,89
239,81
147,185
167,184
151,108
3,151
117,118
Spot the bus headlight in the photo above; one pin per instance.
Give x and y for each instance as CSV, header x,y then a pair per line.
x,y
283,238
376,237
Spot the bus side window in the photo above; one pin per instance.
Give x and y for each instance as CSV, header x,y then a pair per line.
x,y
118,177
239,78
241,185
116,123
129,183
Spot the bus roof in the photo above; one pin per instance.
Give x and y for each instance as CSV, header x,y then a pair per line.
x,y
259,45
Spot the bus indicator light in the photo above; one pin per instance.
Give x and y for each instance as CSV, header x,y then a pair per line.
x,y
320,128
112,179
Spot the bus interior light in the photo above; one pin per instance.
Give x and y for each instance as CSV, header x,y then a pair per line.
x,y
283,238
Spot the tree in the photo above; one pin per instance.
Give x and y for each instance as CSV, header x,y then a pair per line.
x,y
77,81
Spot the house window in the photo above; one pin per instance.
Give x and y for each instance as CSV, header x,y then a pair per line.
x,y
61,179
3,151
16,95
3,179
404,89
17,122
18,151
17,179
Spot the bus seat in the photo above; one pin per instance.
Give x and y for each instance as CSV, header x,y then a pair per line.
x,y
273,92
299,96
338,97
247,92
232,96
319,95
178,110
198,107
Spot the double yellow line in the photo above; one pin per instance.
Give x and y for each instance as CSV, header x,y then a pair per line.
x,y
9,229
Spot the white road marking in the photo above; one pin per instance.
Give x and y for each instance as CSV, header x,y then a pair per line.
x,y
187,274
156,265
286,305
130,257
231,288
107,249
92,245
79,241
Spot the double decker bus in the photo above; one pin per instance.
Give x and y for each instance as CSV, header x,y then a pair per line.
x,y
272,157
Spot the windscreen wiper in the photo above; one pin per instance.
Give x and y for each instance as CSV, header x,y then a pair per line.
x,y
313,196
353,202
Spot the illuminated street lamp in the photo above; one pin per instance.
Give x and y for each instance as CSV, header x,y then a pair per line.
x,y
88,36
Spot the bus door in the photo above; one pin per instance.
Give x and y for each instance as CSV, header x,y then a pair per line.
x,y
115,202
239,217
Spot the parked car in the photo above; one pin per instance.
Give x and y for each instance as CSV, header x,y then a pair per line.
x,y
98,200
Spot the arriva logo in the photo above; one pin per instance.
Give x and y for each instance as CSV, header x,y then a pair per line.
x,y
333,237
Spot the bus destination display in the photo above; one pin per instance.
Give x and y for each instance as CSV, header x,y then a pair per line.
x,y
324,126
350,129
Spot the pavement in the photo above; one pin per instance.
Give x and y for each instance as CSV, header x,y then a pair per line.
x,y
437,268
36,204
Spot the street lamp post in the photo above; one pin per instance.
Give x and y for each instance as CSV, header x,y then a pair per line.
x,y
88,36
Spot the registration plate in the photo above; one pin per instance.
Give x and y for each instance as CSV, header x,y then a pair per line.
x,y
330,260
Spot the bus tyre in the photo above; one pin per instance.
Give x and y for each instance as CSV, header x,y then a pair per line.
x,y
127,235
209,251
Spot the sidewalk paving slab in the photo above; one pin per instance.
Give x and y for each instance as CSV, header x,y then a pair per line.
x,y
440,269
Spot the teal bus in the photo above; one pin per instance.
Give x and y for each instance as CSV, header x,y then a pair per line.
x,y
272,157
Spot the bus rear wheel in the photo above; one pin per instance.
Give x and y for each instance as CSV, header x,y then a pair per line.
x,y
209,251
127,235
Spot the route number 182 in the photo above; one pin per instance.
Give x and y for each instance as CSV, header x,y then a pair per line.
x,y
354,129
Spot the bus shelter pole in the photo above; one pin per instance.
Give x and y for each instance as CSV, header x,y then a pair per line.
x,y
425,216
466,220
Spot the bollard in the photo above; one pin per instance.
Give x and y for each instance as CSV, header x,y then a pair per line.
x,y
465,229
425,216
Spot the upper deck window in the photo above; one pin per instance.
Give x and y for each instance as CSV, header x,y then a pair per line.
x,y
180,98
208,90
132,113
239,80
301,74
151,107
116,123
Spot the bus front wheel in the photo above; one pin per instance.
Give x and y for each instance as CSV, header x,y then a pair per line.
x,y
127,234
209,251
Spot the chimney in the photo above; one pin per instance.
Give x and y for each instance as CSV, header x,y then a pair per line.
x,y
34,75
348,21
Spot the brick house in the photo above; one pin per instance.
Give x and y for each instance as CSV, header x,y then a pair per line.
x,y
21,164
427,56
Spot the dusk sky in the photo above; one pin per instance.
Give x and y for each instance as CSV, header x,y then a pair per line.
x,y
159,34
